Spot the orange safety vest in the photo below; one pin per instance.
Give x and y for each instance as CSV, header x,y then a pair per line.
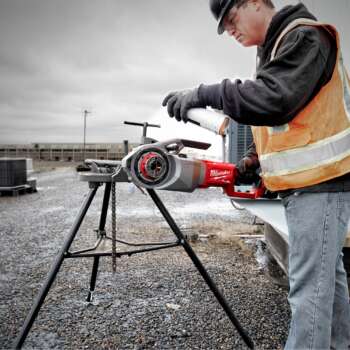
x,y
315,146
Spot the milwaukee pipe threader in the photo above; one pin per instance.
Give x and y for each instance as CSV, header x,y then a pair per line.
x,y
161,166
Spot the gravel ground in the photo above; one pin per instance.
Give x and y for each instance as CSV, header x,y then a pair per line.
x,y
155,300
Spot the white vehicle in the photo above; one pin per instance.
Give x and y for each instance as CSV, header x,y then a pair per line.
x,y
271,212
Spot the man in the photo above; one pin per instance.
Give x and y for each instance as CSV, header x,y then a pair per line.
x,y
299,107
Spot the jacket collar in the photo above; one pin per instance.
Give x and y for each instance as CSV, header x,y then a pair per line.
x,y
280,21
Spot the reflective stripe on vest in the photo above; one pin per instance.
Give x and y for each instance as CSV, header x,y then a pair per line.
x,y
300,153
346,86
327,151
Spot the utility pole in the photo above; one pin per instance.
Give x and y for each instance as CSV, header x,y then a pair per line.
x,y
86,112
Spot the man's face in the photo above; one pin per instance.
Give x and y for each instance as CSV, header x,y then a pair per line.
x,y
245,23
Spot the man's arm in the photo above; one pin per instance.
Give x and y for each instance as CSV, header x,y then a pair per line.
x,y
282,87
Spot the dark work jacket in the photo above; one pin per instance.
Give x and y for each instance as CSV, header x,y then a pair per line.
x,y
304,63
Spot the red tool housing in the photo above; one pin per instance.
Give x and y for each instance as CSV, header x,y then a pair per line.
x,y
224,175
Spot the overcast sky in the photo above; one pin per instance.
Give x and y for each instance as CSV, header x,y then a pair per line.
x,y
115,58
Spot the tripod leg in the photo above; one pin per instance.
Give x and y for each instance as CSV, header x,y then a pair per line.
x,y
101,229
93,279
54,270
105,204
201,269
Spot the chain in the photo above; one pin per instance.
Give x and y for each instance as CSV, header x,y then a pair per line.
x,y
114,219
114,229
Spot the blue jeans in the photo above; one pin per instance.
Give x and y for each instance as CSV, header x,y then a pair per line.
x,y
319,295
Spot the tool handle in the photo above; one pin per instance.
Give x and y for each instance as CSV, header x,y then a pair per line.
x,y
142,124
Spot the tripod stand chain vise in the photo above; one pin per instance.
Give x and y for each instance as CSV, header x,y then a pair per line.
x,y
107,173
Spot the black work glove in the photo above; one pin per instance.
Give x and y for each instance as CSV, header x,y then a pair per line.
x,y
179,102
248,170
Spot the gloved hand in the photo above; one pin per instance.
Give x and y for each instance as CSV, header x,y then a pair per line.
x,y
248,168
179,102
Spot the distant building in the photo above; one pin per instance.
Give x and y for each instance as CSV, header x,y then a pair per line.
x,y
66,151
240,138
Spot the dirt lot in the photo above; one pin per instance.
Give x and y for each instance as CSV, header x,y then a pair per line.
x,y
154,300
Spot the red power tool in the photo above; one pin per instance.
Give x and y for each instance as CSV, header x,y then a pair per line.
x,y
161,166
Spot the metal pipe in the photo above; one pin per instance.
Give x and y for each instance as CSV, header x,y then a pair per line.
x,y
224,157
